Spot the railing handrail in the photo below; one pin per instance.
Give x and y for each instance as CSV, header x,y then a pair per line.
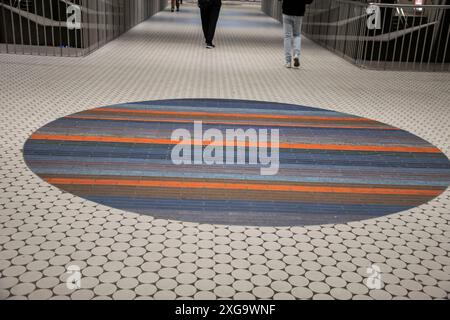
x,y
362,4
393,5
406,5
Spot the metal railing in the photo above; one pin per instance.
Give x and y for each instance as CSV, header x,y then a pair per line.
x,y
68,28
379,35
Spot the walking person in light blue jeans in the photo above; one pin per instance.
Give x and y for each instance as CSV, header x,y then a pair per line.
x,y
293,12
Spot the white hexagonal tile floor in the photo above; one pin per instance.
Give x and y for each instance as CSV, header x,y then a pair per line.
x,y
130,256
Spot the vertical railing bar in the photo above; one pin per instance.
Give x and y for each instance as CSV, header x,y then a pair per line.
x,y
374,31
361,32
78,32
97,24
317,27
111,20
102,25
410,41
123,17
44,26
105,23
116,20
79,36
115,34
38,40
67,32
13,26
4,29
383,22
357,31
388,41
436,26
53,30
322,23
366,43
90,29
441,36
352,30
107,35
62,51
345,43
344,49
306,22
419,32
328,25
310,28
75,32
435,20
309,24
445,52
119,15
86,27
403,45
336,27
29,29
424,44
396,41
439,42
314,26
21,28
79,49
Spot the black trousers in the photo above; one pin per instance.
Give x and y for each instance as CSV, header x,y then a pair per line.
x,y
210,16
175,3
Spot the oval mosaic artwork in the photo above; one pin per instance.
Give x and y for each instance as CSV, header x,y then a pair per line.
x,y
238,162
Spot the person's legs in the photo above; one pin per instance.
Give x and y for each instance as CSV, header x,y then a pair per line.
x,y
172,3
287,28
178,5
297,31
213,18
204,13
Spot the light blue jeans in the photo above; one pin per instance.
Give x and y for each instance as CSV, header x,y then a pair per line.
x,y
292,26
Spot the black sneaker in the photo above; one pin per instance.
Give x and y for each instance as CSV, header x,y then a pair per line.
x,y
296,62
210,46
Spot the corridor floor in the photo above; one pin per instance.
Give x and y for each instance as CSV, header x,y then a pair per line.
x,y
123,255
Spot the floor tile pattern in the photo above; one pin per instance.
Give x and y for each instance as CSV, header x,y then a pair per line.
x,y
125,255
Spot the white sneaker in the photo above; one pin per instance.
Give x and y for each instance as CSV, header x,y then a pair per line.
x,y
288,65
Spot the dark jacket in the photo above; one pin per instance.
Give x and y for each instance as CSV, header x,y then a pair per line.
x,y
207,3
295,7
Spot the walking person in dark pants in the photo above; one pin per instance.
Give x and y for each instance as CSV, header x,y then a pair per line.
x,y
175,3
209,11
